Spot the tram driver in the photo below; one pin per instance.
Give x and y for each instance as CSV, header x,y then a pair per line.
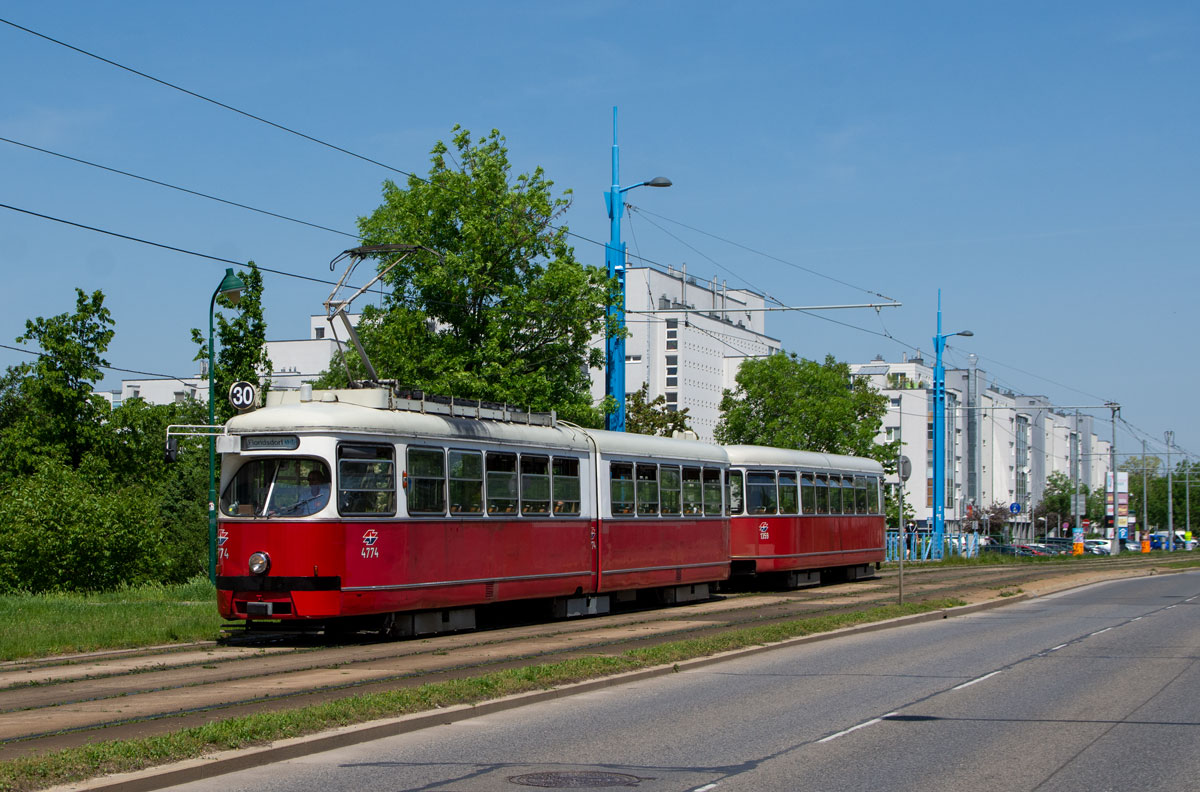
x,y
312,500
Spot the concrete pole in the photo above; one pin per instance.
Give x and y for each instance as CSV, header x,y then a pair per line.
x,y
1170,438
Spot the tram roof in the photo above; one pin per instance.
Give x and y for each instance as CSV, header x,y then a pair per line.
x,y
751,455
370,412
365,412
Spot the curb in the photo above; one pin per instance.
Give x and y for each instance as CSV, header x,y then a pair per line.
x,y
231,761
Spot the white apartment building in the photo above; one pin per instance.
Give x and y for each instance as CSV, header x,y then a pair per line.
x,y
294,361
687,338
1000,446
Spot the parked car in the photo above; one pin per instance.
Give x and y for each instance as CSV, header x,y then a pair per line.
x,y
1158,541
1096,546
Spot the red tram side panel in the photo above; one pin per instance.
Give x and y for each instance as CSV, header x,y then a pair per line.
x,y
664,552
431,564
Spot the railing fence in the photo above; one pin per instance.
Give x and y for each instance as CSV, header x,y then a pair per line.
x,y
921,546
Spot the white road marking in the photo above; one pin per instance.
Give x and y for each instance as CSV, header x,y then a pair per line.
x,y
705,788
1169,607
1060,646
1106,629
973,681
871,722
1137,618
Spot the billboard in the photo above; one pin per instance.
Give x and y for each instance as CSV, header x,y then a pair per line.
x,y
1122,498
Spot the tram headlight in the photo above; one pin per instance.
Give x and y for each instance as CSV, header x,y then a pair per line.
x,y
259,563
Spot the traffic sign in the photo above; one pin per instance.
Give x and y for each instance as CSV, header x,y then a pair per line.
x,y
1015,508
243,395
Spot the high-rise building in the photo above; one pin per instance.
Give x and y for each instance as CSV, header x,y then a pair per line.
x,y
687,338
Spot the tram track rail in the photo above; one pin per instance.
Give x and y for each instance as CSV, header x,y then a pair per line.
x,y
64,702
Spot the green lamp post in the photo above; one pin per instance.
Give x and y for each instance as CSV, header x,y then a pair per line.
x,y
231,287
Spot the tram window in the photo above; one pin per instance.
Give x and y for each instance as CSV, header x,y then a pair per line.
x,y
466,482
822,489
647,490
366,479
693,496
566,485
873,495
713,496
290,487
668,490
426,481
621,478
733,495
535,484
860,495
841,496
808,493
501,483
789,493
760,492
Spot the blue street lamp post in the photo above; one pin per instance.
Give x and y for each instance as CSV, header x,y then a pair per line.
x,y
939,433
231,286
614,257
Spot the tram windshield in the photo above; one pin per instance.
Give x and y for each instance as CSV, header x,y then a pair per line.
x,y
288,487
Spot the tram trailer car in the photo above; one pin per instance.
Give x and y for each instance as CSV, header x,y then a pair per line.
x,y
358,503
799,516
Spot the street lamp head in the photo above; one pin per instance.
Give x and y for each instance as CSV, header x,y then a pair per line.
x,y
231,286
658,181
964,333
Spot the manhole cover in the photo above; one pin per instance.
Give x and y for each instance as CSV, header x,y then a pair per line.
x,y
575,780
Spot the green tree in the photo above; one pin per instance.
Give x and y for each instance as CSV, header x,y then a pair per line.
x,y
47,406
1096,509
86,499
1135,466
1055,507
891,506
134,458
995,520
789,402
507,312
241,342
651,417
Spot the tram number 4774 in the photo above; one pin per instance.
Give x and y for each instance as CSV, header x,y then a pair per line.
x,y
369,550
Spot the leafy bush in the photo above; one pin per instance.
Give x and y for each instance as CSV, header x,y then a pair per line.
x,y
59,532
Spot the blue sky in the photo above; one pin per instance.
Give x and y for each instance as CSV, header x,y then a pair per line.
x,y
1036,161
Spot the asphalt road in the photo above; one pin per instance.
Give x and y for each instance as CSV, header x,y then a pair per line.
x,y
1095,689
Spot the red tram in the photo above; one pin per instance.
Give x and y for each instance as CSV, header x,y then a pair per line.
x,y
365,505
794,514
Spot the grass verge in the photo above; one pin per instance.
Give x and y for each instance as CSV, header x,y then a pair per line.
x,y
135,616
103,758
992,559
